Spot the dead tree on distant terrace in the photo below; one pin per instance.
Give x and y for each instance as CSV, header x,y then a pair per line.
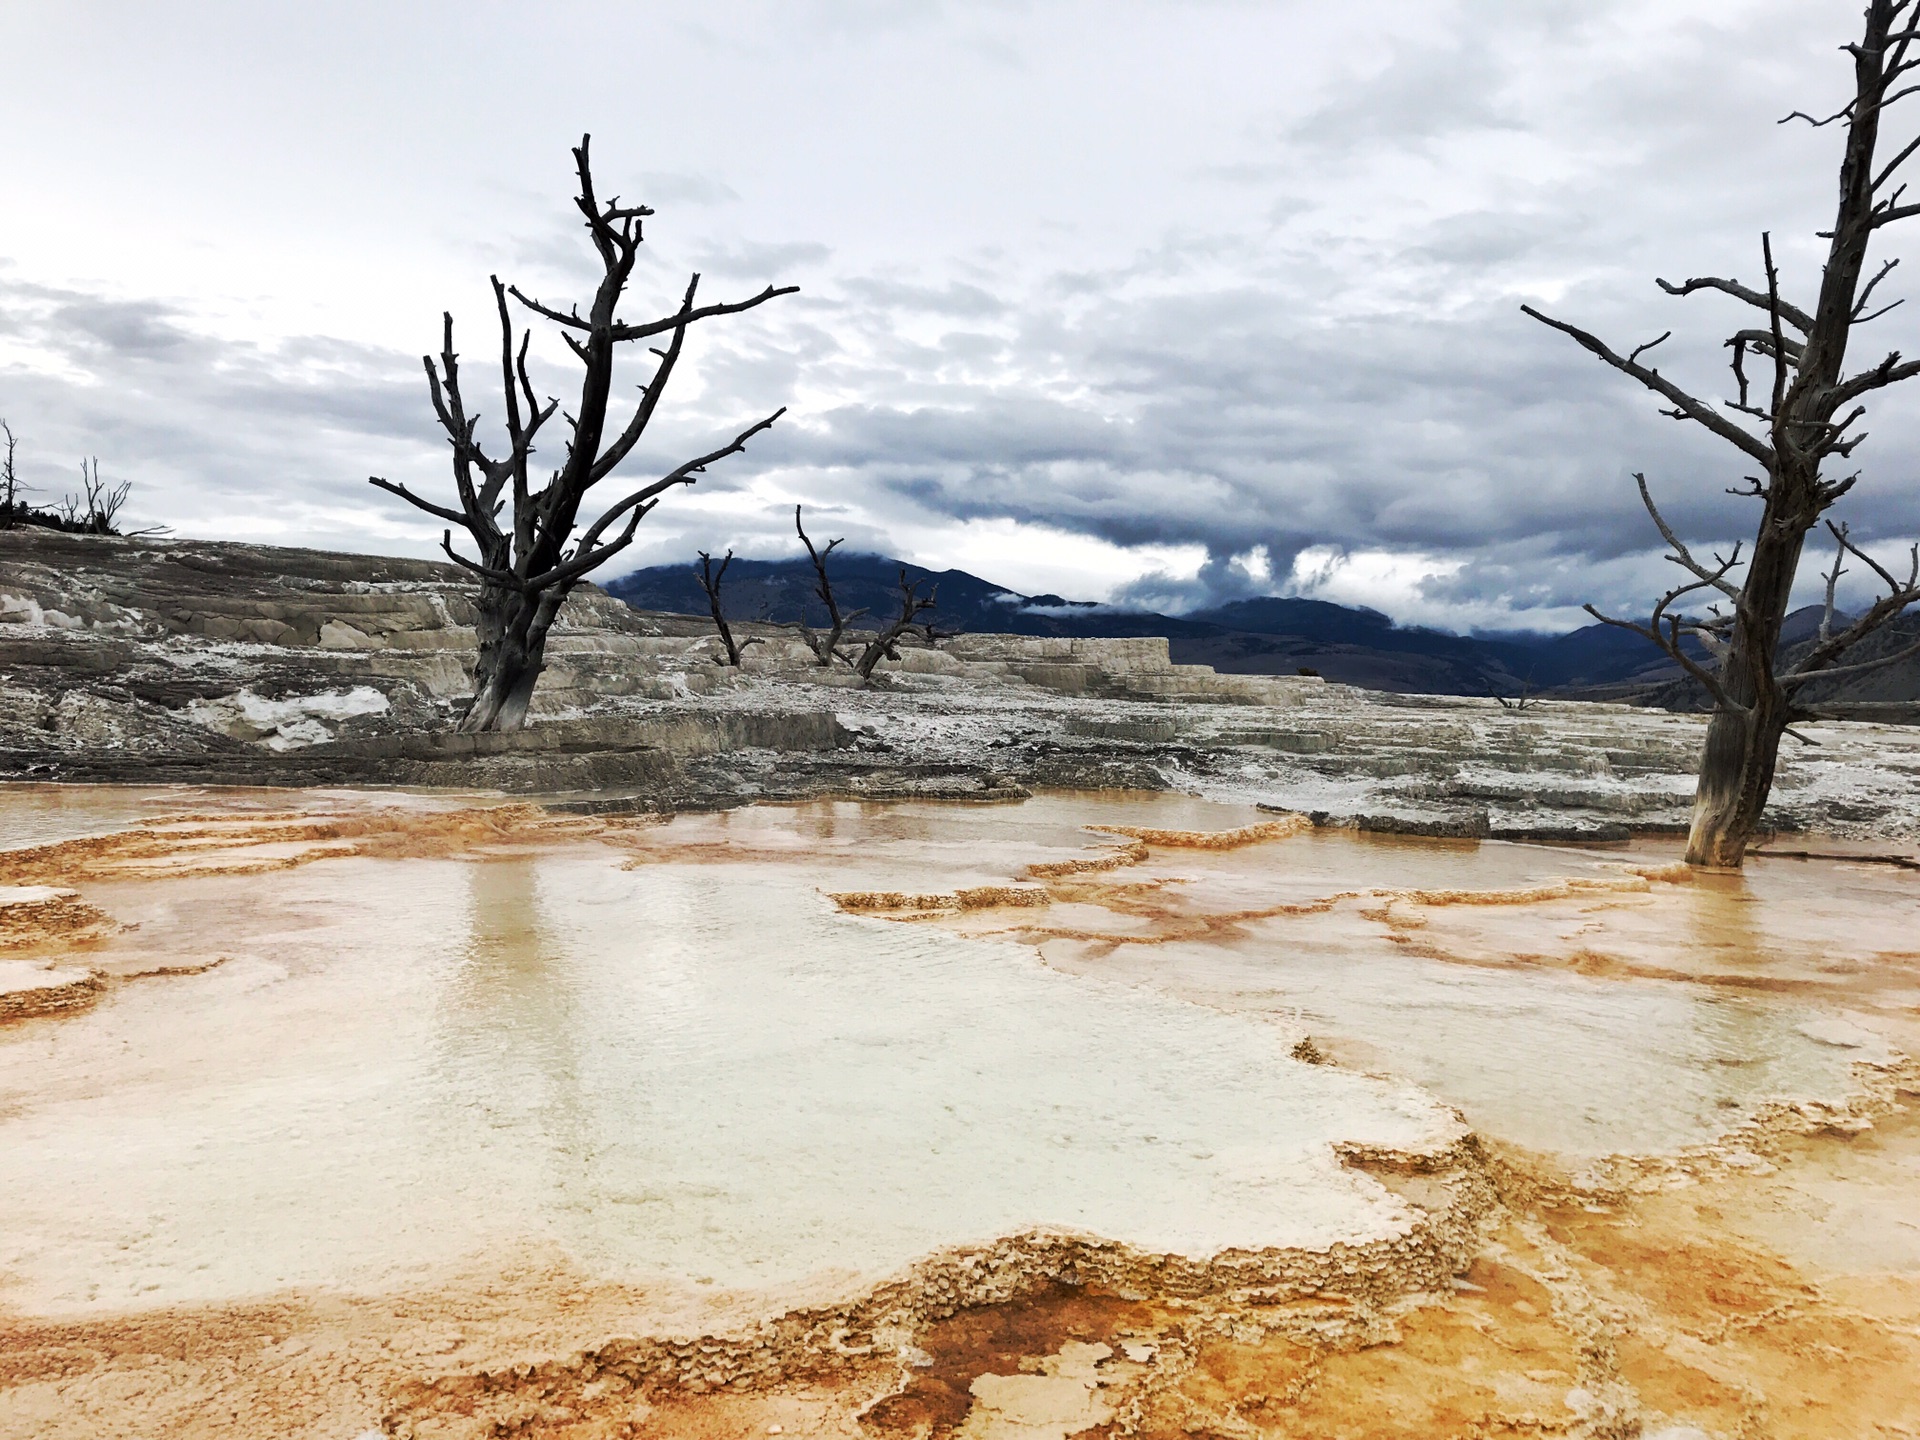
x,y
1803,417
9,482
886,644
824,644
527,570
98,505
710,582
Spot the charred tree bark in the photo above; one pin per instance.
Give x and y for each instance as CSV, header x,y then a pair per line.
x,y
1789,434
710,582
526,570
886,644
825,645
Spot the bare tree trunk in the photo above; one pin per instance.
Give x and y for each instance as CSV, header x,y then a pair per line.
x,y
711,581
527,570
503,696
826,645
886,644
1804,420
9,482
1742,747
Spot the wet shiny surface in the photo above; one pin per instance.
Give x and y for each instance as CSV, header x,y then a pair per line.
x,y
692,1073
665,1054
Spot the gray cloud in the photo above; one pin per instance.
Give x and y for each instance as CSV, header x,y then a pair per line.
x,y
1288,332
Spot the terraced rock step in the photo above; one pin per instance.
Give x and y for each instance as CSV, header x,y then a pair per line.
x,y
188,661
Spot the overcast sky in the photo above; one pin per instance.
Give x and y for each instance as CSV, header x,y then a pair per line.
x,y
1160,302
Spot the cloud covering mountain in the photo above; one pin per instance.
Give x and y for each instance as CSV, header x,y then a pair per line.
x,y
1169,304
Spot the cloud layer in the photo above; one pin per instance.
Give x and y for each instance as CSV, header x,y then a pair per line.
x,y
1153,302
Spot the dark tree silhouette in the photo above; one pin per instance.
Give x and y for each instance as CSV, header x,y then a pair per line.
x,y
1803,418
527,570
97,508
825,644
886,644
710,579
9,482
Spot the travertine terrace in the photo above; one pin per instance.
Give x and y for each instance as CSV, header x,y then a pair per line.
x,y
183,661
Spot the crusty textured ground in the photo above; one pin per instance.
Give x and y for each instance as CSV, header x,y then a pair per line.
x,y
1686,1306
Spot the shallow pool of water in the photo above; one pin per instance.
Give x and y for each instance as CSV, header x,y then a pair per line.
x,y
692,1072
665,1055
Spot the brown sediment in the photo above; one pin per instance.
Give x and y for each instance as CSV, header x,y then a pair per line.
x,y
977,897
46,918
1134,854
937,1392
1447,1190
1255,834
33,917
45,991
1638,881
260,843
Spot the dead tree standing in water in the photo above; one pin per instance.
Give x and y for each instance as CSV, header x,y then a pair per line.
x,y
886,644
527,571
1804,416
710,582
824,644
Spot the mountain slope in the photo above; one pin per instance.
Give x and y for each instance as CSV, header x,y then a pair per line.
x,y
1267,635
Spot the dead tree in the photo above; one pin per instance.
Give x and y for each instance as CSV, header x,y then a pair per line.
x,y
97,507
824,644
710,582
886,644
9,482
1802,418
1525,700
527,570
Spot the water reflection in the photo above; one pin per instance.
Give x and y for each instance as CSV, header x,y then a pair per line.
x,y
697,1068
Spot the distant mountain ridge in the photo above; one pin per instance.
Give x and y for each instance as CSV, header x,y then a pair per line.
x,y
1269,634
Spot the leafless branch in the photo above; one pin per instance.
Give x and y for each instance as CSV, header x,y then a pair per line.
x,y
710,581
1773,316
1888,372
1683,557
1667,631
679,475
439,511
1866,291
1817,663
1685,405
1791,313
886,644
1641,350
1833,584
826,646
